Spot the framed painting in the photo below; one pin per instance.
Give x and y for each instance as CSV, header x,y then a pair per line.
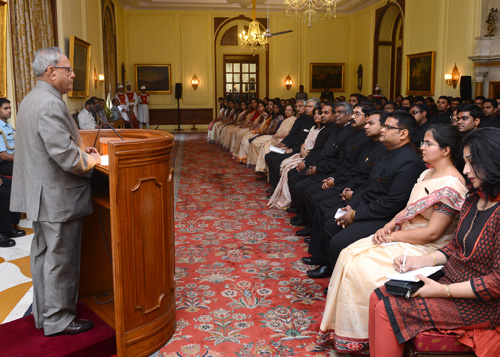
x,y
327,76
420,69
79,57
156,77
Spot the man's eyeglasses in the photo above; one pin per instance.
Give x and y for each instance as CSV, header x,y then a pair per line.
x,y
388,127
416,112
357,114
68,68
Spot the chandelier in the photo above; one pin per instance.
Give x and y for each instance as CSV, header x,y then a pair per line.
x,y
310,9
255,39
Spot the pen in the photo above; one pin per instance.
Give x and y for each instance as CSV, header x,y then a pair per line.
x,y
404,260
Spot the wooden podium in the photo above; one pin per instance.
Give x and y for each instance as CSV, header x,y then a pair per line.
x,y
128,242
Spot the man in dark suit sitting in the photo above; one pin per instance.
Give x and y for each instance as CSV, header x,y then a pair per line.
x,y
387,192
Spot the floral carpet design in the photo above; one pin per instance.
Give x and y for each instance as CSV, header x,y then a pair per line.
x,y
241,288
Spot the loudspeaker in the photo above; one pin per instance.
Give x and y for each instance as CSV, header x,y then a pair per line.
x,y
466,87
178,90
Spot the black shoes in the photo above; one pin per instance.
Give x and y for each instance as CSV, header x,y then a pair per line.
x,y
270,191
304,232
298,220
307,240
321,272
15,233
76,326
6,242
291,210
310,261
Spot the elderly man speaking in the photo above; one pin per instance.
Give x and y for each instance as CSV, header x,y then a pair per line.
x,y
51,184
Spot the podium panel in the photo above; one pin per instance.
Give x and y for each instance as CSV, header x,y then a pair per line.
x,y
128,242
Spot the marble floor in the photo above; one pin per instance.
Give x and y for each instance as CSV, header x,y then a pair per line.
x,y
16,293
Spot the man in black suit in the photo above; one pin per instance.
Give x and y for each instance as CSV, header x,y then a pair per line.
x,y
387,193
321,160
343,155
293,142
327,202
345,164
444,113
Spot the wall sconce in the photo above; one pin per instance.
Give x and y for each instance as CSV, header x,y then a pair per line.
x,y
195,82
288,82
452,78
100,79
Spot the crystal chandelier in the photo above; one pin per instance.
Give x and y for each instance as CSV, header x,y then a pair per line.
x,y
310,9
255,39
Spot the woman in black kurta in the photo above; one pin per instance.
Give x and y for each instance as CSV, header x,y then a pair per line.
x,y
468,295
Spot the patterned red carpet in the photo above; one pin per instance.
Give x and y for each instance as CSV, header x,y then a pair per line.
x,y
241,288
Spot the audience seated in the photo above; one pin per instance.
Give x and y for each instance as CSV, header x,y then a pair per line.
x,y
426,224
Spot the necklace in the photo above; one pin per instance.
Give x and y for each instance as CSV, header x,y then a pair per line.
x,y
470,228
442,172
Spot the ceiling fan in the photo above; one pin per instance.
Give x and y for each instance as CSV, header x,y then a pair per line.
x,y
268,33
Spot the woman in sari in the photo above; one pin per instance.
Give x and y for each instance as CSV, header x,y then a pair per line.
x,y
281,197
225,121
250,125
238,119
259,148
267,129
467,297
426,224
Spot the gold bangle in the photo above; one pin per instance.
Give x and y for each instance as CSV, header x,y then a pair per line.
x,y
448,291
433,258
353,214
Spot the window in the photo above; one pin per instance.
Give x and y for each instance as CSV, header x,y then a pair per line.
x,y
241,77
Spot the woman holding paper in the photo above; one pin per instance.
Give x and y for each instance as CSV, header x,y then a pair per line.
x,y
427,223
468,295
281,197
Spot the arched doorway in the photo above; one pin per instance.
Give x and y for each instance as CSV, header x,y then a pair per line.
x,y
238,73
388,50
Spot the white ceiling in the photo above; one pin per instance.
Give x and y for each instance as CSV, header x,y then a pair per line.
x,y
344,6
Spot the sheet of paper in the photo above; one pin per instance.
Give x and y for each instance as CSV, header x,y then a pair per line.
x,y
104,160
339,213
276,149
411,275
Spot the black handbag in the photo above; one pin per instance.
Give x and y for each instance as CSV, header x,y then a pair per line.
x,y
407,288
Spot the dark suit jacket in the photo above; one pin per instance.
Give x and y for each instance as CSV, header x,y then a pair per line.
x,y
389,185
294,131
349,157
321,140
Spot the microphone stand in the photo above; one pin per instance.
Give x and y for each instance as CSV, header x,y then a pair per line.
x,y
107,123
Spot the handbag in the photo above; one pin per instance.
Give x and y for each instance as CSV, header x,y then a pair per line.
x,y
407,288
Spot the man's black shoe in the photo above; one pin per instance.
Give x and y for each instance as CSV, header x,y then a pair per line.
x,y
304,232
271,191
321,272
15,233
76,326
261,178
310,261
291,210
297,221
6,242
307,240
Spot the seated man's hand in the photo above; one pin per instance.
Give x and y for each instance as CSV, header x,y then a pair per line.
x,y
301,166
346,194
328,183
311,171
347,218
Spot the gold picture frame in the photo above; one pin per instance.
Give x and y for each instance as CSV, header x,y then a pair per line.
x,y
79,57
420,71
327,75
156,77
3,48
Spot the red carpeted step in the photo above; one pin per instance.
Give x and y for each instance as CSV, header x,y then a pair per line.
x,y
21,338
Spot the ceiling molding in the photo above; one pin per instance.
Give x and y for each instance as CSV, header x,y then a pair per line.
x,y
344,6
